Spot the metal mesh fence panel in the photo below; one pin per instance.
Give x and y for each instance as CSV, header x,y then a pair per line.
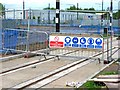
x,y
23,40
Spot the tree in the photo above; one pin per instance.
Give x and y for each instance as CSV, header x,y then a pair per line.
x,y
116,15
119,14
73,8
92,9
2,9
52,8
86,9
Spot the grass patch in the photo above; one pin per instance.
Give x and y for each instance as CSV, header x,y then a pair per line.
x,y
91,85
109,73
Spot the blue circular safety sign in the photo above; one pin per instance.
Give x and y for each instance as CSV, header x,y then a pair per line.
x,y
90,41
67,40
82,40
98,41
75,40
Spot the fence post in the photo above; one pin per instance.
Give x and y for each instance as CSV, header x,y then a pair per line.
x,y
27,46
1,36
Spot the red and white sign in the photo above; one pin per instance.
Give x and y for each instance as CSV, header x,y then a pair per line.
x,y
56,42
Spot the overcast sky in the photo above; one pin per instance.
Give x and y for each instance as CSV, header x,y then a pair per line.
x,y
40,4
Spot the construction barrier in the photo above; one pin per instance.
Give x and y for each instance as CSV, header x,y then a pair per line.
x,y
18,40
75,45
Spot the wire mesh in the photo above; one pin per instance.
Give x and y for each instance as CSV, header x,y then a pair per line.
x,y
16,40
73,22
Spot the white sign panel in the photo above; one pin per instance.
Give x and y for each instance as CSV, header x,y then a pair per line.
x,y
75,42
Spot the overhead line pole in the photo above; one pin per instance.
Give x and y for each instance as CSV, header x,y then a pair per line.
x,y
77,11
111,20
23,9
102,16
57,15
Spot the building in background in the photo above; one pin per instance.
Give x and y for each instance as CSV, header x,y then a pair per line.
x,y
48,16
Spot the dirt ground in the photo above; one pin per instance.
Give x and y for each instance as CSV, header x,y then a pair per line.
x,y
113,67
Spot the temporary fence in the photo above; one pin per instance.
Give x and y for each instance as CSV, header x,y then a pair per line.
x,y
34,24
54,44
17,40
89,21
75,45
0,41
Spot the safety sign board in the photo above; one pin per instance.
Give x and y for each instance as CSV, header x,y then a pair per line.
x,y
75,42
67,41
90,42
83,42
56,42
98,43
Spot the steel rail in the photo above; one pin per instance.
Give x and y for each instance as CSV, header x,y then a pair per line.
x,y
32,82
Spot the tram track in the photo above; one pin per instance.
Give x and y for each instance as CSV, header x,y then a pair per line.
x,y
40,81
30,64
3,72
16,68
51,76
56,72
